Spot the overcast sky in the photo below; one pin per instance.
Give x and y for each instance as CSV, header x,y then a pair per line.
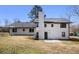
x,y
11,12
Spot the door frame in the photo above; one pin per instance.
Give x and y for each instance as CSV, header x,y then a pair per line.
x,y
45,35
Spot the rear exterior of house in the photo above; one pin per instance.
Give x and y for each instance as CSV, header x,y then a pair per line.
x,y
53,31
51,28
43,28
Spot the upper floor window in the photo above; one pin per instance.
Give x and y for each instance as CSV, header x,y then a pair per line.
x,y
14,30
63,25
51,25
37,24
45,25
31,29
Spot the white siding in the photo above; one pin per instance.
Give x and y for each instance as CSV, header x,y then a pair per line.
x,y
20,31
55,32
40,28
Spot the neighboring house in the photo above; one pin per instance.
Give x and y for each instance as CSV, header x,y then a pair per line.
x,y
42,28
4,29
77,34
74,30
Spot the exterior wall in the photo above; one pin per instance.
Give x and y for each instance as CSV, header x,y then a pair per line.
x,y
40,28
55,32
21,32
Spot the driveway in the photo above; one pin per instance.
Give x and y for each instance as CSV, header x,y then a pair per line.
x,y
75,37
52,41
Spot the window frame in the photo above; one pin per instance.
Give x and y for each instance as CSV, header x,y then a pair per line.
x,y
31,29
63,34
14,29
52,25
37,35
37,24
45,25
23,29
45,35
63,25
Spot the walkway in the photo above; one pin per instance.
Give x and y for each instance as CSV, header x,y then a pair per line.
x,y
75,37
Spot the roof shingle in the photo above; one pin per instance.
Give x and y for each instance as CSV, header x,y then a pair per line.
x,y
22,24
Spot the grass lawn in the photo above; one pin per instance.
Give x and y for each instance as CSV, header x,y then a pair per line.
x,y
26,45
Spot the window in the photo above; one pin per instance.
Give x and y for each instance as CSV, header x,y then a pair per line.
x,y
14,30
37,16
63,34
63,25
51,25
45,25
31,30
37,24
23,29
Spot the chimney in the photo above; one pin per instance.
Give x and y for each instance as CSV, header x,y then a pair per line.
x,y
41,15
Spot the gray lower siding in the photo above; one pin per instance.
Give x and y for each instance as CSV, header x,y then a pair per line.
x,y
16,33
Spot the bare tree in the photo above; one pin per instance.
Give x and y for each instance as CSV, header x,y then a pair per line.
x,y
76,10
70,12
76,13
16,19
69,15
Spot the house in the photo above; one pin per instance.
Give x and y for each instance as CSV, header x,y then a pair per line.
x,y
42,28
4,29
22,28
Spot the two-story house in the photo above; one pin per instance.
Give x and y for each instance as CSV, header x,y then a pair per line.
x,y
42,28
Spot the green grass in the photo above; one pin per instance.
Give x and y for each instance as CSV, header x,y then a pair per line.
x,y
26,45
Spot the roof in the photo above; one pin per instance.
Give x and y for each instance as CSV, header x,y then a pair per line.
x,y
32,24
55,20
22,24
